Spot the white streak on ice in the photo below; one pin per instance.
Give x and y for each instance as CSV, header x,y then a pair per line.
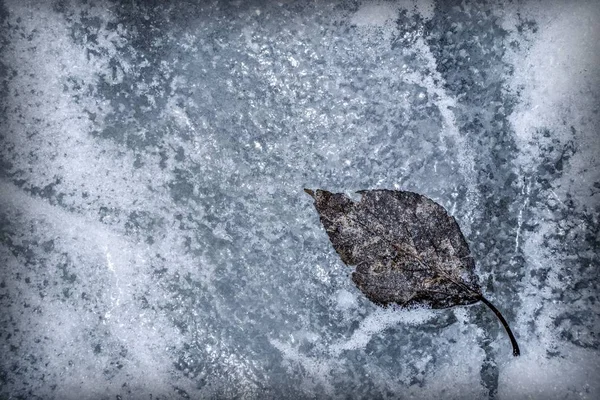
x,y
319,370
525,191
117,301
378,322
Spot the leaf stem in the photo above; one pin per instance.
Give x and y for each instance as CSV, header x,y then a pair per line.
x,y
513,341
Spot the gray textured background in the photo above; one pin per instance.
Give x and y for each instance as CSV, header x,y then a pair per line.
x,y
155,241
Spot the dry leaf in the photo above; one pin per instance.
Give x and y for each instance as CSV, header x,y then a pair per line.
x,y
406,248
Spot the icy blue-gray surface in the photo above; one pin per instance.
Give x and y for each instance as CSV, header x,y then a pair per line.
x,y
155,241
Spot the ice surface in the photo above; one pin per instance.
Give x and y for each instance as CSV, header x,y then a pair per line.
x,y
156,241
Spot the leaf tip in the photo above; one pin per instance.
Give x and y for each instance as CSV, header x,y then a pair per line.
x,y
310,192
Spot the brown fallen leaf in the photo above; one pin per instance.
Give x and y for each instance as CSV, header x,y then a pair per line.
x,y
406,248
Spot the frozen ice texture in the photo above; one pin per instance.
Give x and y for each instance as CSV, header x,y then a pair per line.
x,y
156,241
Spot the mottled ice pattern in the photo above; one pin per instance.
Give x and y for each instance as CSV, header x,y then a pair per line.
x,y
155,241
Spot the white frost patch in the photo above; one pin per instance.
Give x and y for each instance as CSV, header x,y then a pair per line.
x,y
559,70
556,77
116,274
51,136
459,377
378,322
321,274
558,80
375,14
345,300
318,370
572,374
381,13
116,300
533,376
